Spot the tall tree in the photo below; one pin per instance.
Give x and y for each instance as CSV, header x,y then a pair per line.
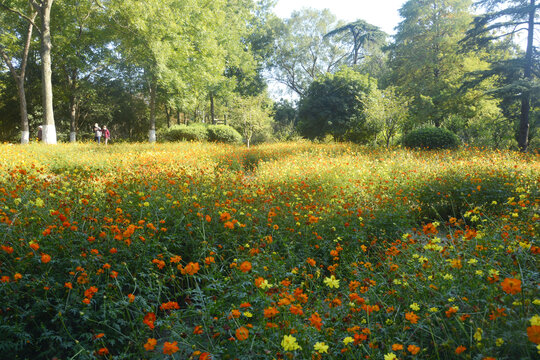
x,y
426,60
509,18
364,38
9,46
81,50
302,53
43,8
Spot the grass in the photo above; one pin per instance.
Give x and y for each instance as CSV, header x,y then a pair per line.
x,y
281,251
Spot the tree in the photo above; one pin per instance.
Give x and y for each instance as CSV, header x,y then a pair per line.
x,y
250,116
333,105
43,9
302,53
508,18
386,112
426,59
9,46
363,36
81,50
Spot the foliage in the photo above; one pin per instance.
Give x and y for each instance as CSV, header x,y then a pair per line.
x,y
333,105
302,52
429,65
431,138
251,117
386,112
364,38
223,134
193,132
139,251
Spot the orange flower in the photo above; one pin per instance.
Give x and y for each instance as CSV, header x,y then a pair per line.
x,y
190,269
103,351
131,298
68,285
209,260
311,261
316,321
149,320
460,349
198,330
242,333
228,225
412,317
245,266
270,312
533,332
150,344
296,309
171,305
45,258
34,246
511,286
170,348
396,347
413,349
17,276
205,355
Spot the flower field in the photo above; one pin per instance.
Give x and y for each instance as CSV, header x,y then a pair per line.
x,y
283,251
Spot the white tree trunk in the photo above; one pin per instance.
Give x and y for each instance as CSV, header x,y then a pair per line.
x,y
49,129
73,137
49,134
25,137
152,136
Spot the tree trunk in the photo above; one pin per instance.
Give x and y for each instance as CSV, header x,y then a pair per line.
x,y
19,80
153,90
49,129
168,113
73,117
25,129
212,114
523,136
178,116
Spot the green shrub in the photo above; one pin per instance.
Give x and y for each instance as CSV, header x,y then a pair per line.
x,y
224,134
431,138
195,132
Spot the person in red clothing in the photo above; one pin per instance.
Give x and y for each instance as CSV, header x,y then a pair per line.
x,y
106,134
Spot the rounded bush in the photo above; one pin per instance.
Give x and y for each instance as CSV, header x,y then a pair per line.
x,y
195,132
431,138
224,134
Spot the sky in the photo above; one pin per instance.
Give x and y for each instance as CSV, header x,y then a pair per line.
x,y
382,13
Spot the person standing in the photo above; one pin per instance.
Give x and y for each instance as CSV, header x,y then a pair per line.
x,y
97,133
106,134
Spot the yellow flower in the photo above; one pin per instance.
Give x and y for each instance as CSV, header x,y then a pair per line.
x,y
390,356
536,301
499,342
478,334
348,340
331,282
414,306
39,202
289,343
433,309
472,261
248,314
321,347
535,320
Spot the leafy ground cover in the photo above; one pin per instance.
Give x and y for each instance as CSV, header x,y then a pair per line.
x,y
205,251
